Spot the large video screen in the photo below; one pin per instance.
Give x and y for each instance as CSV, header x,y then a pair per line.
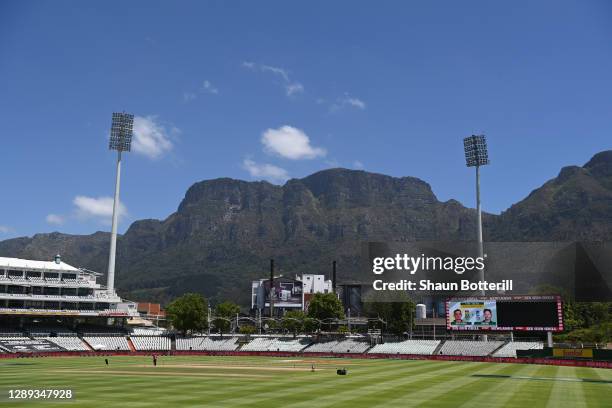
x,y
503,313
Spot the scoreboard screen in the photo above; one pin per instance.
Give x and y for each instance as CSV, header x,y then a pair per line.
x,y
504,313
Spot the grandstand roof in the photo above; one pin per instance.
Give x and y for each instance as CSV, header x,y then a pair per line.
x,y
31,264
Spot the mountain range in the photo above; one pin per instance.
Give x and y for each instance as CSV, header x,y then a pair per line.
x,y
225,231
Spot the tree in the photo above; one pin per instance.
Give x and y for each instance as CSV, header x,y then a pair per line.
x,y
188,313
248,329
225,312
294,321
325,306
399,314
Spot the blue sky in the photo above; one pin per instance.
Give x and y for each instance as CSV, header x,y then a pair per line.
x,y
277,89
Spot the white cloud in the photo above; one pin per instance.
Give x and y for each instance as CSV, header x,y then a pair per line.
x,y
347,100
291,87
151,138
5,230
208,87
276,70
290,143
356,102
188,96
358,165
294,88
55,219
100,208
265,171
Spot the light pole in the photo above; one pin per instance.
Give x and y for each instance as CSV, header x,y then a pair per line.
x,y
121,141
476,155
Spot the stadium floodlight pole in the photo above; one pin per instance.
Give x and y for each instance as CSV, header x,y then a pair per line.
x,y
349,320
208,317
121,141
271,288
476,155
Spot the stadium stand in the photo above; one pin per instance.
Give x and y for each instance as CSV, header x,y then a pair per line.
x,y
258,344
71,343
28,345
335,346
207,344
423,347
469,347
275,344
8,332
188,343
145,331
509,350
151,343
107,343
220,344
92,330
46,331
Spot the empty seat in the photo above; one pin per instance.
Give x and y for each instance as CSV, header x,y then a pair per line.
x,y
422,347
469,347
107,343
509,350
150,343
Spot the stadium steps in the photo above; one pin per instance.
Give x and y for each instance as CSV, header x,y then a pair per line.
x,y
86,344
130,344
495,351
437,350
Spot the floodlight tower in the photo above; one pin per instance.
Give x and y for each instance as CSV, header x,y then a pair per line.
x,y
121,141
476,155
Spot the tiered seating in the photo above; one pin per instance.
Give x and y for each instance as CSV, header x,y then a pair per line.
x,y
146,343
289,345
190,343
46,331
423,347
142,331
107,343
469,347
10,332
344,346
222,344
324,347
509,350
258,344
71,343
351,346
275,344
207,344
92,330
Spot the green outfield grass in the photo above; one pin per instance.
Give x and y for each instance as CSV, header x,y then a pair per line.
x,y
288,382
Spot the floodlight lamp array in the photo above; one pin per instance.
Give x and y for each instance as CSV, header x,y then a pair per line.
x,y
476,153
121,132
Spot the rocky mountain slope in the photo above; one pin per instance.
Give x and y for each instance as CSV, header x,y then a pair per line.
x,y
225,230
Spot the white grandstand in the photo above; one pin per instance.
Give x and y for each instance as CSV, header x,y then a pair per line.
x,y
151,343
342,346
469,348
146,331
45,288
111,343
207,344
422,347
509,350
71,343
275,344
